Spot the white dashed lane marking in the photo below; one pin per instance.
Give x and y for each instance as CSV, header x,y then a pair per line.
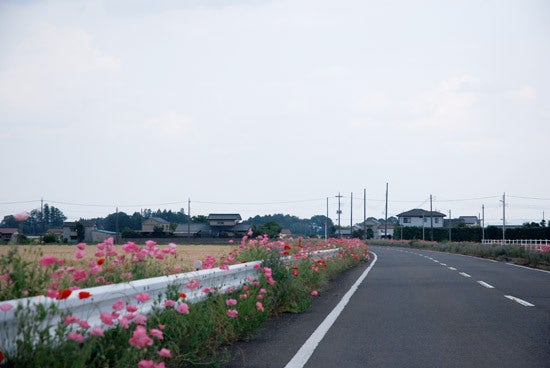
x,y
520,301
482,283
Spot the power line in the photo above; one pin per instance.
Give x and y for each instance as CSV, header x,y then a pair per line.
x,y
533,198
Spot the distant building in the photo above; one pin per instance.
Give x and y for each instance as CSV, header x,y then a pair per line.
x,y
149,225
469,221
7,233
285,233
219,225
69,232
343,233
382,232
419,217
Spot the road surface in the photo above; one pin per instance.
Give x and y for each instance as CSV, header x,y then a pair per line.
x,y
415,308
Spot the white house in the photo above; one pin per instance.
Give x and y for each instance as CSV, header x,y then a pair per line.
x,y
419,217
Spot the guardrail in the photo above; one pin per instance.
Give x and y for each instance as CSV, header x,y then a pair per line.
x,y
103,297
541,245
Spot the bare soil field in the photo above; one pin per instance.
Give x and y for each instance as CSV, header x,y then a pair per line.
x,y
186,254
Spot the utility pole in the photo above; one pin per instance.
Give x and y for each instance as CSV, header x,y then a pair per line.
x,y
386,215
351,213
326,224
117,234
431,220
365,213
42,214
339,212
503,217
482,223
450,223
189,218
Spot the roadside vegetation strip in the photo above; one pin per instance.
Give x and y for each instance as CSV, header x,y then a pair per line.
x,y
514,253
176,332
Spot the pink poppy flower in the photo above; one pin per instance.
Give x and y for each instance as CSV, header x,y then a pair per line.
x,y
84,324
169,303
107,318
97,331
165,353
75,336
232,313
140,337
124,322
260,306
146,364
182,308
231,302
118,305
314,293
47,260
140,319
156,333
143,297
5,307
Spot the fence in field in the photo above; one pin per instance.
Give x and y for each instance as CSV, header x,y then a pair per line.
x,y
541,245
103,297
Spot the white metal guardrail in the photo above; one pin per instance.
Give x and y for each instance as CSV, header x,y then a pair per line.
x,y
531,244
103,297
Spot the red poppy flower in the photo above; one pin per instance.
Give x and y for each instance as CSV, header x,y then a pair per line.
x,y
1,356
64,294
288,247
100,261
182,295
84,295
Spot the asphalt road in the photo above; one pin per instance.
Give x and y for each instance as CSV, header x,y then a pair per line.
x,y
416,309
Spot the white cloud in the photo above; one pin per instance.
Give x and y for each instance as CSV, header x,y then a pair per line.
x,y
46,69
169,125
448,106
524,93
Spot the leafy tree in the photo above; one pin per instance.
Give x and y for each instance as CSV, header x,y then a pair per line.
x,y
271,228
199,219
80,231
9,221
369,234
110,223
358,233
158,230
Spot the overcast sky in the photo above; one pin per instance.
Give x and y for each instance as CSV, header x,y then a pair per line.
x,y
261,107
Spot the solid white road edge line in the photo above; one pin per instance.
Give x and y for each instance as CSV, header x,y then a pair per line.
x,y
520,301
464,274
482,283
305,352
452,268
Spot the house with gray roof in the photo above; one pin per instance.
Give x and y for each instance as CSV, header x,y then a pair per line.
x,y
219,225
149,225
420,217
